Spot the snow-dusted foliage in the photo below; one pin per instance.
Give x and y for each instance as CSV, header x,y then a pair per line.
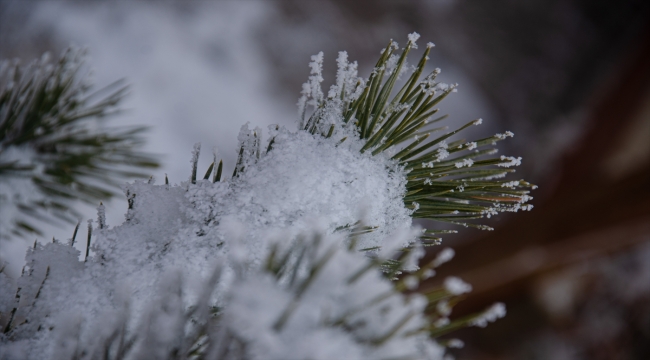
x,y
285,206
306,252
54,147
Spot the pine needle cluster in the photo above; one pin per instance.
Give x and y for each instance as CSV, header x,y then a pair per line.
x,y
448,181
55,147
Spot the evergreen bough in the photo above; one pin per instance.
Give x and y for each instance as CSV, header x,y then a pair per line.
x,y
319,292
54,145
453,183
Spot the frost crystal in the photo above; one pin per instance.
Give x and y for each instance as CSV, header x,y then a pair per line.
x,y
505,135
101,216
510,184
465,162
510,161
316,77
470,145
312,93
413,37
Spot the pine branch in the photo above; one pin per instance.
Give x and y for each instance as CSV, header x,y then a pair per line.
x,y
54,140
279,293
448,183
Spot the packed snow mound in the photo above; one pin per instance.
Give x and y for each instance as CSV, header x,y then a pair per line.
x,y
336,318
303,178
308,176
183,232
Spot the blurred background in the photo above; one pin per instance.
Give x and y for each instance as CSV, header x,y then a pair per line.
x,y
570,78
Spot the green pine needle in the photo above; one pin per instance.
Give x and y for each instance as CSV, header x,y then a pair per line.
x,y
50,112
446,182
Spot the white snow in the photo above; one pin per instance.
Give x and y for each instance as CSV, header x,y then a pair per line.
x,y
464,163
494,312
443,256
505,135
305,186
455,344
324,302
193,72
456,286
509,161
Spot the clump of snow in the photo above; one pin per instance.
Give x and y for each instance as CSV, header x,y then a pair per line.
x,y
505,135
464,163
494,312
443,256
509,161
510,184
470,145
456,286
413,38
305,181
307,177
455,344
308,330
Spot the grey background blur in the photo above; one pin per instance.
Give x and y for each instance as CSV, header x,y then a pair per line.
x,y
198,70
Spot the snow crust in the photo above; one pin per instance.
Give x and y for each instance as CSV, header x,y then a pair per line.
x,y
494,312
305,187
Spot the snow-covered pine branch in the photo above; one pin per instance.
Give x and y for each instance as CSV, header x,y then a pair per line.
x,y
307,251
